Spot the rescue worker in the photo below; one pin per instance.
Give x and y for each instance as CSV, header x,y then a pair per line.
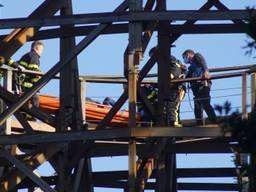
x,y
200,89
31,61
151,92
177,92
23,82
108,101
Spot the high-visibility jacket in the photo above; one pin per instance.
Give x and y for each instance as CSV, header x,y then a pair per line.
x,y
151,93
10,63
177,71
30,61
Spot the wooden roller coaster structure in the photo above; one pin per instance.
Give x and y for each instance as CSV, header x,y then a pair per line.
x,y
70,131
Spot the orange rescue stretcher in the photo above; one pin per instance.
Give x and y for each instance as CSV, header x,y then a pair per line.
x,y
94,112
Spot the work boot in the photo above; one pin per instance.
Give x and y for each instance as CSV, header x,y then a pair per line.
x,y
175,124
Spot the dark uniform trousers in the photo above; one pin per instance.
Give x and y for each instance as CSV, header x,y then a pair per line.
x,y
202,101
173,105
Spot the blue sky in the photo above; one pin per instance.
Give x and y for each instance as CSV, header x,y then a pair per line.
x,y
105,55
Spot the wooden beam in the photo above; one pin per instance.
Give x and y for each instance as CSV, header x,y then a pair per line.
x,y
20,36
26,170
219,5
118,104
10,98
24,122
175,132
111,134
206,172
146,103
176,15
15,177
208,186
205,7
123,28
103,149
64,136
115,176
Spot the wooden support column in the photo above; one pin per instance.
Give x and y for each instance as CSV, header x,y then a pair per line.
x,y
6,127
132,173
134,57
163,64
83,180
253,91
70,113
166,164
244,96
83,100
8,86
165,177
252,186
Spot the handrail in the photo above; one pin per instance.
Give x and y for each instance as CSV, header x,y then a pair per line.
x,y
121,79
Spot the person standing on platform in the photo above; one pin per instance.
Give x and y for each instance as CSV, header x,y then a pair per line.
x,y
201,89
29,61
177,93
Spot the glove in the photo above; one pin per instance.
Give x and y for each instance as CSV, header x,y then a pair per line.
x,y
21,68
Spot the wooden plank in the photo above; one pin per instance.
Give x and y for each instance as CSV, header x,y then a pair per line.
x,y
37,126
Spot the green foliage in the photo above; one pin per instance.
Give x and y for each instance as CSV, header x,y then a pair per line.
x,y
242,130
226,108
251,32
